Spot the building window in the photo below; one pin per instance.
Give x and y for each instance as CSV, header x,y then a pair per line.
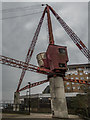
x,y
71,74
61,65
66,74
68,88
86,73
77,83
67,83
82,78
62,50
81,73
76,78
88,77
76,73
80,69
88,82
73,83
78,87
73,87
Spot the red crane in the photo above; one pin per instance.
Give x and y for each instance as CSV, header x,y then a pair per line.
x,y
26,66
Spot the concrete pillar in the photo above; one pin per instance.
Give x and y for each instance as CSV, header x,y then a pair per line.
x,y
16,98
16,107
16,101
58,100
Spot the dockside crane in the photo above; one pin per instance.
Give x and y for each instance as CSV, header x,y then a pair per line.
x,y
54,60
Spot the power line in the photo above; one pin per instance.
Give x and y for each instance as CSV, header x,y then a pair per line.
x,y
17,8
20,15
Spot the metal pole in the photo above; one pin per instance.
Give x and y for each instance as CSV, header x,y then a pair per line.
x,y
29,95
27,103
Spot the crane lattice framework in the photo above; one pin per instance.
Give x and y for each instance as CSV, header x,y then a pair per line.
x,y
45,70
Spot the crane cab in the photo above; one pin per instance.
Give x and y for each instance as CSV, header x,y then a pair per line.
x,y
55,58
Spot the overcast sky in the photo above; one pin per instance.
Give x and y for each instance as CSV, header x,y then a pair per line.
x,y
17,35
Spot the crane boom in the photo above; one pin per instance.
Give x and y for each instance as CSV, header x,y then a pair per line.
x,y
72,35
31,48
22,65
33,85
51,39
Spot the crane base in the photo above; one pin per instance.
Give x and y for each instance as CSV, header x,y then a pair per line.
x,y
58,100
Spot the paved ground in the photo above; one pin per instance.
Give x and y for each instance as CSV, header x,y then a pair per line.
x,y
35,116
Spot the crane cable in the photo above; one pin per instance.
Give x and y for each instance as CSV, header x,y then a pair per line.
x,y
21,15
18,8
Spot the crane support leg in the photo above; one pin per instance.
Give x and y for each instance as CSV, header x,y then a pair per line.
x,y
58,100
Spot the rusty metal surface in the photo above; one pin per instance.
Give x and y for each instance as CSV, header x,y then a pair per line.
x,y
54,57
50,31
22,65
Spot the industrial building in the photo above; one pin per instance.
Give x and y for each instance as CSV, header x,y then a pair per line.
x,y
80,72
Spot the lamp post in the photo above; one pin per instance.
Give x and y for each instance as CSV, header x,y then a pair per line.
x,y
27,103
29,95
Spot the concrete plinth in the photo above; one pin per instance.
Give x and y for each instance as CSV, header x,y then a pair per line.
x,y
58,100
